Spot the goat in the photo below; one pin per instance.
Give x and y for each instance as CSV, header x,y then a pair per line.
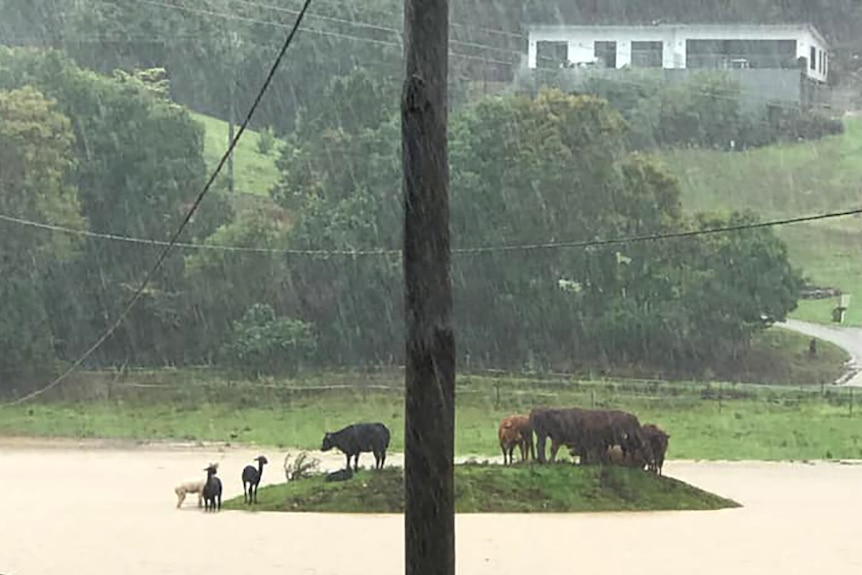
x,y
252,476
212,489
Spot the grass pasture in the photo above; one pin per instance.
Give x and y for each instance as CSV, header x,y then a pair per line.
x,y
820,311
484,488
705,420
803,419
789,180
254,172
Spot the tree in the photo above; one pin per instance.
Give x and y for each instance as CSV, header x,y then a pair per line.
x,y
220,285
36,168
529,172
738,283
341,176
139,166
264,344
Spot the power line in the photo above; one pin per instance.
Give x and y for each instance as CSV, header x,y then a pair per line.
x,y
379,27
361,23
397,44
182,226
391,43
539,246
193,246
660,237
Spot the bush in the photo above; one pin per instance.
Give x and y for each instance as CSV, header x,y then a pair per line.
x,y
793,125
706,111
266,141
264,344
301,467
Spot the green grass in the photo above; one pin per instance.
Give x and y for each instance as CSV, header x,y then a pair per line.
x,y
780,357
820,311
705,420
255,173
483,488
777,356
788,180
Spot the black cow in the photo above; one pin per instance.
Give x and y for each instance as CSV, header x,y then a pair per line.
x,y
359,438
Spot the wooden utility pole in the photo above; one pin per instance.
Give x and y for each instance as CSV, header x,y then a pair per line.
x,y
429,427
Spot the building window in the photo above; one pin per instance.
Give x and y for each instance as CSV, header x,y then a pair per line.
x,y
606,52
552,54
736,53
647,54
813,59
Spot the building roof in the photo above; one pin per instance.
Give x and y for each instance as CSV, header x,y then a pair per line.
x,y
662,26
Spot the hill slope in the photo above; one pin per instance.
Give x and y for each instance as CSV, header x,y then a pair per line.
x,y
488,488
784,181
254,172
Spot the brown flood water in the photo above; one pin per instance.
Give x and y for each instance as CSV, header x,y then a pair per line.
x,y
85,509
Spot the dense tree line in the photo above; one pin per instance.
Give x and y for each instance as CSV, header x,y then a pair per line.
x,y
528,171
707,110
218,51
116,155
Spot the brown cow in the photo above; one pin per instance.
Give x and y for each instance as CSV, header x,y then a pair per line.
x,y
588,432
562,426
515,430
657,441
601,429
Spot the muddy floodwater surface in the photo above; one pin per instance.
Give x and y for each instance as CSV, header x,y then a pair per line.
x,y
87,509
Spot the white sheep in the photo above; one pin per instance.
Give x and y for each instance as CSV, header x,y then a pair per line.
x,y
188,487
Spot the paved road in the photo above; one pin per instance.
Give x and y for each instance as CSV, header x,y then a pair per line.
x,y
849,338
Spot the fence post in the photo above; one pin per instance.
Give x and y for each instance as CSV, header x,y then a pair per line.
x,y
593,398
851,401
497,394
720,388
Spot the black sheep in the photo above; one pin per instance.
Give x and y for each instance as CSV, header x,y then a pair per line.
x,y
358,438
212,489
252,476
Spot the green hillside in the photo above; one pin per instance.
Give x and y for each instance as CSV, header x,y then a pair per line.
x,y
255,173
790,180
777,181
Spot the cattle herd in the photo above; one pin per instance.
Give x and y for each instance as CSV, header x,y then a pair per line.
x,y
600,436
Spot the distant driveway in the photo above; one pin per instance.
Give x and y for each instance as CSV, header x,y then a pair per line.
x,y
848,338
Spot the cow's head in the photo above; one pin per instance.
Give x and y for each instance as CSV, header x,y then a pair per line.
x,y
327,442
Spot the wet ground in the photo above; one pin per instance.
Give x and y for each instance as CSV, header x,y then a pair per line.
x,y
81,508
847,338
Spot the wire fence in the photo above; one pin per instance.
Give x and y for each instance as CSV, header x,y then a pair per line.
x,y
494,390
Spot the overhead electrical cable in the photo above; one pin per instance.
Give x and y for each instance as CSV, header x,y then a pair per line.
x,y
288,40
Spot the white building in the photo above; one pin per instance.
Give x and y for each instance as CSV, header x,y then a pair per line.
x,y
710,46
